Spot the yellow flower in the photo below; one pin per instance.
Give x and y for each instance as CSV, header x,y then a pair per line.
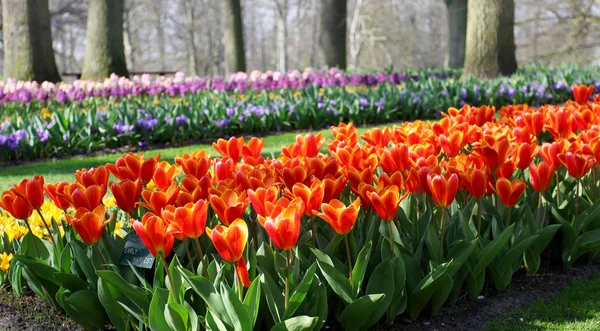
x,y
350,89
155,101
44,113
175,100
321,91
5,261
297,94
150,184
272,96
109,202
119,229
399,87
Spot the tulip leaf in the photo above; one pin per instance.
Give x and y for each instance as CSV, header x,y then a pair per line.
x,y
236,310
275,300
532,254
299,323
586,217
107,295
70,281
252,300
585,242
442,292
85,263
338,282
381,282
176,316
214,323
300,291
156,314
29,243
355,315
209,294
323,257
87,307
421,294
491,250
139,296
177,280
398,303
360,268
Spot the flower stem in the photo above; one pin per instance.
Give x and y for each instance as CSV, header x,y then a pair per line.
x,y
187,252
314,236
164,262
508,217
442,233
238,281
577,198
539,211
479,217
557,188
37,252
287,278
348,257
391,236
48,229
100,254
204,264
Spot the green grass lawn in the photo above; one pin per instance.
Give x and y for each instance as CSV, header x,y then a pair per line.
x,y
63,170
575,308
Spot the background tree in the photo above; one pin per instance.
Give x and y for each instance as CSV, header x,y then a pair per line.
x,y
27,40
457,32
507,53
105,50
333,32
481,56
233,36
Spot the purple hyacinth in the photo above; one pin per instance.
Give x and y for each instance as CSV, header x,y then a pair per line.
x,y
66,137
222,122
122,128
364,102
147,123
230,112
511,92
15,138
181,120
43,135
463,93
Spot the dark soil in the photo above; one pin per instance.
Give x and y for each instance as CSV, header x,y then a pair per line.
x,y
29,313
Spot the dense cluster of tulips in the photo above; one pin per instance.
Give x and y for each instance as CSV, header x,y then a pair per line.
x,y
91,116
358,230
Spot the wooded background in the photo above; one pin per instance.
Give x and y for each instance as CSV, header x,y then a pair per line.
x,y
190,35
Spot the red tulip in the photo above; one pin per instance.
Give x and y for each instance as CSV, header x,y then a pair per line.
x,y
80,196
509,192
229,206
89,224
164,174
56,192
339,216
443,189
16,205
156,201
196,165
152,232
132,167
261,196
311,196
385,201
476,182
524,155
230,242
231,148
577,164
94,176
283,224
32,190
582,93
540,176
127,193
189,220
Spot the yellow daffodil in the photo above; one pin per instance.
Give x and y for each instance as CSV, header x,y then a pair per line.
x,y
5,261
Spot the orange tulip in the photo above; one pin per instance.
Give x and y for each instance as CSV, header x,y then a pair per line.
x,y
333,188
577,164
156,201
377,137
80,196
231,148
540,176
340,217
453,144
196,165
152,232
252,150
56,192
443,189
127,193
507,169
94,176
549,152
196,188
534,122
582,93
261,196
311,196
189,220
385,201
283,225
89,224
395,158
476,182
509,192
494,155
289,177
307,146
16,205
524,155
132,167
230,242
229,206
164,174
32,190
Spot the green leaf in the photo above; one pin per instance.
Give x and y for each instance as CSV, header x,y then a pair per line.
x,y
338,282
156,315
300,291
360,268
355,315
85,263
399,299
492,249
299,323
70,282
275,300
176,316
252,300
137,295
88,307
421,294
236,310
381,282
323,257
107,295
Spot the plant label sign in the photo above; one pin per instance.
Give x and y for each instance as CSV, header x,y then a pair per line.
x,y
136,253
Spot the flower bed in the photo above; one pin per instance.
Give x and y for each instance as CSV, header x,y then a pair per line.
x,y
112,114
413,216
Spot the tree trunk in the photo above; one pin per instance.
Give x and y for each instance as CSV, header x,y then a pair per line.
x,y
481,55
507,59
191,43
333,32
233,36
282,46
457,32
104,49
28,52
160,33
